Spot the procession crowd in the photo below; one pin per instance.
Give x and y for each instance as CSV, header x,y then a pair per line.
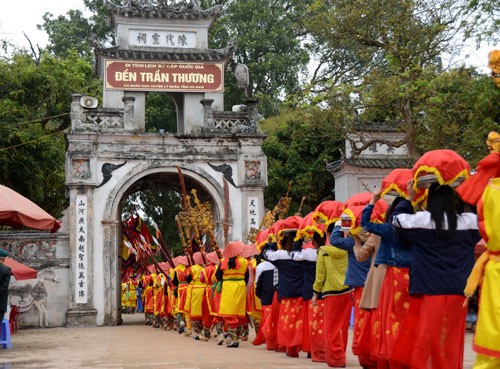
x,y
400,259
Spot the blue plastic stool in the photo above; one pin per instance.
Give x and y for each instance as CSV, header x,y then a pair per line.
x,y
5,340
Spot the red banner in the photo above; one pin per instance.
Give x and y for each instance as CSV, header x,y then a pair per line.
x,y
163,76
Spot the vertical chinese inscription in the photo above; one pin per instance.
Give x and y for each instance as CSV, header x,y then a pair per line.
x,y
253,212
81,280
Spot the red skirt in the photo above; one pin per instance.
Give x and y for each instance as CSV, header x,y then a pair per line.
x,y
292,320
361,341
337,310
432,335
270,319
317,331
392,308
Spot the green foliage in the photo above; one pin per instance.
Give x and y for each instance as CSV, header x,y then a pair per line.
x,y
35,98
160,205
70,32
483,22
297,149
460,108
268,38
161,113
385,47
74,31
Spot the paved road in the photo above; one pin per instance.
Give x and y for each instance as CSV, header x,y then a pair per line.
x,y
136,346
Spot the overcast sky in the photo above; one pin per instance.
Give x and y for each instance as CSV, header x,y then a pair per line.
x,y
20,16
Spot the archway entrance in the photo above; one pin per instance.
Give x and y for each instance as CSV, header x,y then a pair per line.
x,y
112,155
150,237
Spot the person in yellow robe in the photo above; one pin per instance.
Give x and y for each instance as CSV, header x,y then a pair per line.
x,y
233,274
212,299
195,294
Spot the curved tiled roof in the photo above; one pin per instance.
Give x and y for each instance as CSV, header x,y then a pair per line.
x,y
162,9
386,163
214,55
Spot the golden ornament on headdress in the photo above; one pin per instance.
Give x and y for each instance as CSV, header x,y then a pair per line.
x,y
494,65
493,141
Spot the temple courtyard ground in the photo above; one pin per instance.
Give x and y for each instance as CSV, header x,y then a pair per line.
x,y
134,345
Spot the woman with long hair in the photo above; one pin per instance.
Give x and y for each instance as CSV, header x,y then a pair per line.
x,y
432,334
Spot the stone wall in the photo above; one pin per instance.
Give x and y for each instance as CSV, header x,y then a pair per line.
x,y
43,301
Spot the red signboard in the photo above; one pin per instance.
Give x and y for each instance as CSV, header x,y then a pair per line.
x,y
163,76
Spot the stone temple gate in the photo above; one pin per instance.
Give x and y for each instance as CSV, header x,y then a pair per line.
x,y
162,46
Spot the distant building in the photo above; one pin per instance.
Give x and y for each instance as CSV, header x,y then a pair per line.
x,y
371,152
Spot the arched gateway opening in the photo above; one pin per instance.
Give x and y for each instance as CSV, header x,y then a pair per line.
x,y
165,179
111,154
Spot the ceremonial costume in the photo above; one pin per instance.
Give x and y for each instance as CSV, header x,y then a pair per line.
x,y
336,297
355,277
433,338
293,289
211,300
148,299
195,294
487,270
394,296
233,274
132,299
266,284
180,281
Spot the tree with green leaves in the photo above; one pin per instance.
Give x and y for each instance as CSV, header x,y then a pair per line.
x,y
35,98
459,109
483,22
386,49
270,42
298,145
161,205
75,31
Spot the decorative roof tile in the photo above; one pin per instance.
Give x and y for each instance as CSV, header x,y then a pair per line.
x,y
214,55
167,9
394,126
385,163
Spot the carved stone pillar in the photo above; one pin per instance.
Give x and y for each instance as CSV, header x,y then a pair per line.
x,y
208,114
253,111
128,112
76,110
81,310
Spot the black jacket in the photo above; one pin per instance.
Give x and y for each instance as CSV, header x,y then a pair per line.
x,y
5,273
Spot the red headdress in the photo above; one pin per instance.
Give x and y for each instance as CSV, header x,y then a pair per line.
x,y
183,260
308,227
351,217
327,212
262,238
395,183
443,166
284,226
361,198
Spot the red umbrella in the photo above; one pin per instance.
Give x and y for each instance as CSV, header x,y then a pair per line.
x,y
20,271
17,211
